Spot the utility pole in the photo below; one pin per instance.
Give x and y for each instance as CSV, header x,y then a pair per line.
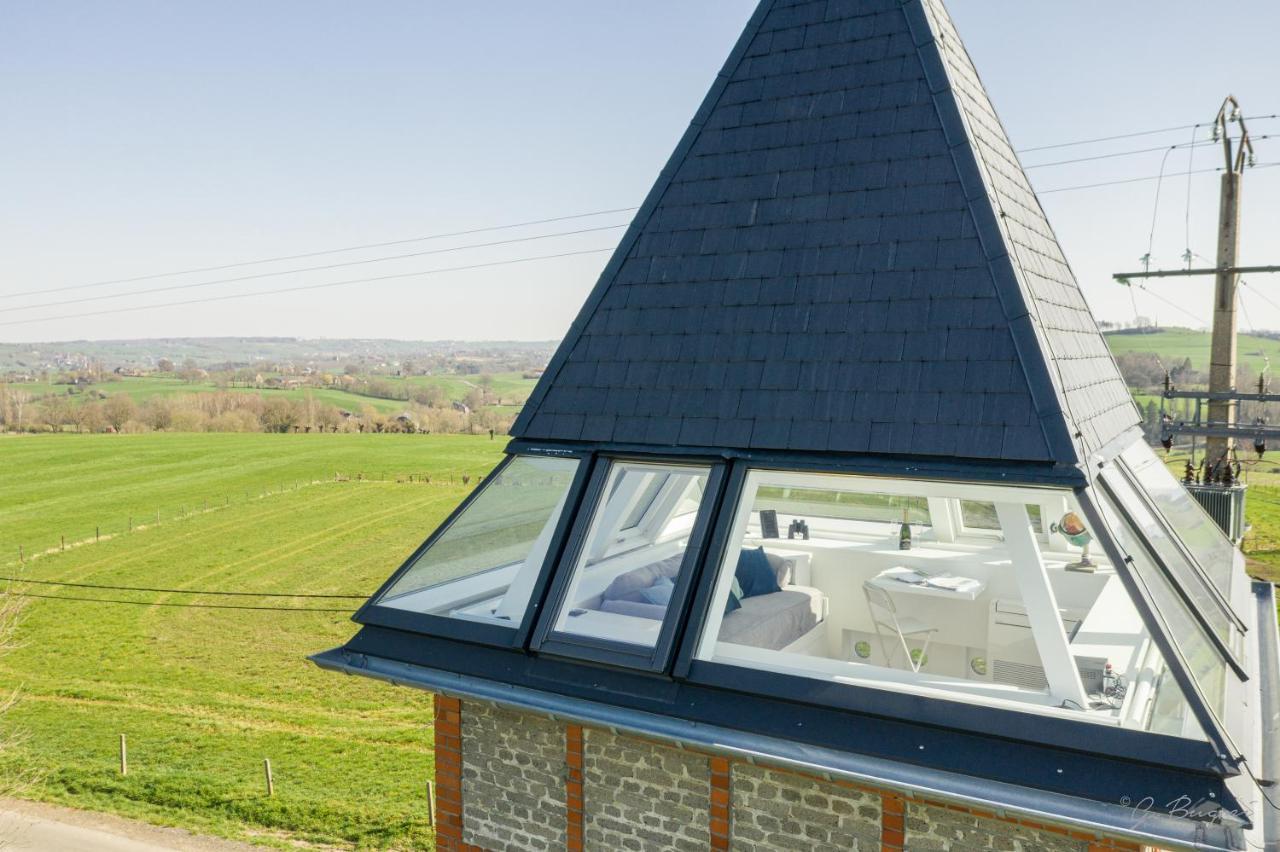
x,y
1222,360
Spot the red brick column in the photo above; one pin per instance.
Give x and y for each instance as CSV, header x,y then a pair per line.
x,y
448,732
720,797
893,823
573,787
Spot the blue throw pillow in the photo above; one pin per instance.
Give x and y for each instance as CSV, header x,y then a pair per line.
x,y
735,598
755,574
659,593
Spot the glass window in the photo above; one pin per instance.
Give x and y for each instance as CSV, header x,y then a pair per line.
x,y
1174,559
880,593
1211,549
981,515
623,596
1206,665
485,565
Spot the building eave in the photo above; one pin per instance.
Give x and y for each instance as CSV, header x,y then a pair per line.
x,y
913,781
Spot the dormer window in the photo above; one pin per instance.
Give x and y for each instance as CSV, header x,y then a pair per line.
x,y
629,568
887,584
484,564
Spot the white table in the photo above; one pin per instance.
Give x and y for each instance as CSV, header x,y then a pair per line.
x,y
968,588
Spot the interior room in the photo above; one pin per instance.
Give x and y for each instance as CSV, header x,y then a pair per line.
x,y
989,593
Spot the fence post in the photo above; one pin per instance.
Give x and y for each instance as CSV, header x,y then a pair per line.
x,y
97,533
131,523
64,542
431,804
21,558
266,769
124,756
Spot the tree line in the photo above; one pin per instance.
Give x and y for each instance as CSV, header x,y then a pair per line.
x,y
226,411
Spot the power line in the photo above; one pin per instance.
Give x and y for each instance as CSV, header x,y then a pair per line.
x,y
192,271
1132,135
306,269
309,287
175,605
1192,144
1137,180
180,591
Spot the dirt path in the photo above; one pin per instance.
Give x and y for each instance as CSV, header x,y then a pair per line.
x,y
34,827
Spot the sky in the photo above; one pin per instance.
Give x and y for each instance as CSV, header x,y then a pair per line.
x,y
140,138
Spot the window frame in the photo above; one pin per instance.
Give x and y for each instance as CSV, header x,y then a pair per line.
x,y
547,640
1202,576
734,510
984,720
1215,728
372,612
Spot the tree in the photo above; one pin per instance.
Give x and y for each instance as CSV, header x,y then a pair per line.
x,y
279,415
118,410
164,365
88,417
157,414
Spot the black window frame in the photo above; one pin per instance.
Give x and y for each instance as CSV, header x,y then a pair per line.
x,y
1217,754
1215,728
1173,577
515,635
656,659
1202,576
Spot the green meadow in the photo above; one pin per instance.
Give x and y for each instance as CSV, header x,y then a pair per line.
x,y
511,389
204,695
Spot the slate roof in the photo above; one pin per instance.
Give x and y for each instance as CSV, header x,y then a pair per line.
x,y
842,255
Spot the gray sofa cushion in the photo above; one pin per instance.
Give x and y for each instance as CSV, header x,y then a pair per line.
x,y
774,621
626,586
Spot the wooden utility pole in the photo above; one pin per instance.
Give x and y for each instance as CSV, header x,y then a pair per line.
x,y
1222,359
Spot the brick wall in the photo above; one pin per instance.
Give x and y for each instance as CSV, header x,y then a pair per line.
x,y
644,796
774,809
515,780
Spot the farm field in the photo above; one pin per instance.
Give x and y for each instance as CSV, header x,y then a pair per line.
x,y
510,388
1174,345
69,485
204,695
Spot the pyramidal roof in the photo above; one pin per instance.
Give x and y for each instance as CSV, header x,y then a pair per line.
x,y
842,255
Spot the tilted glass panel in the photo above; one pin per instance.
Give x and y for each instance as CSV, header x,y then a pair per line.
x,y
485,565
1206,664
623,596
1173,557
1027,618
1196,529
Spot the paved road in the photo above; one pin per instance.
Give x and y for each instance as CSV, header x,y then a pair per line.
x,y
32,827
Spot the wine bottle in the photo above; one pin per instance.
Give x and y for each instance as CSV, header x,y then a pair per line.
x,y
904,534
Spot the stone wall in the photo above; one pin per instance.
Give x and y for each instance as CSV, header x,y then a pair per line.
x,y
643,796
773,809
513,793
936,829
519,780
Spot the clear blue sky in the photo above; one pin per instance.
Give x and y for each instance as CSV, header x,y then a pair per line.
x,y
140,137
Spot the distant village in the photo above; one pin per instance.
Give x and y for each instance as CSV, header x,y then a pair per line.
x,y
238,386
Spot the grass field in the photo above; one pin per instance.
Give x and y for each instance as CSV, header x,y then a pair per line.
x,y
511,388
1175,345
205,695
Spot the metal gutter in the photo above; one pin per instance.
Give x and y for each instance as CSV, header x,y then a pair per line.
x,y
1269,688
1003,799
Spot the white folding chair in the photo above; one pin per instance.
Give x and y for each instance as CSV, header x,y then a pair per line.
x,y
885,617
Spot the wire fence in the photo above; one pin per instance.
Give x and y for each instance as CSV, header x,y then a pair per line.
x,y
82,534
